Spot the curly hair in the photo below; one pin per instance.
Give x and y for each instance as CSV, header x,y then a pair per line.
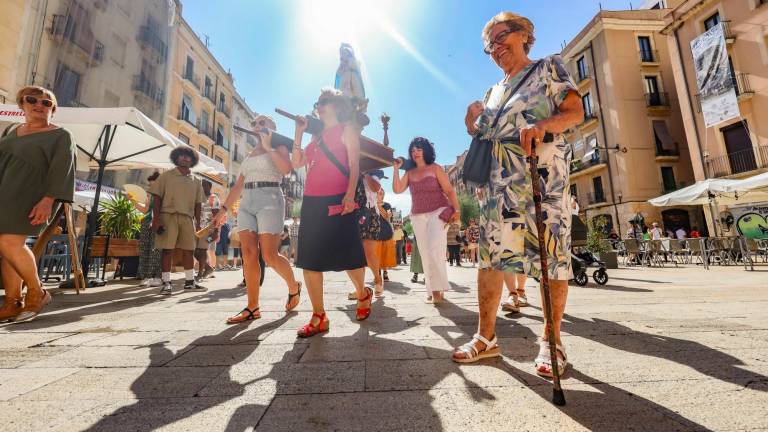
x,y
426,146
189,151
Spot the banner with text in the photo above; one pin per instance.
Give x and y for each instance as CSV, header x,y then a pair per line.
x,y
717,92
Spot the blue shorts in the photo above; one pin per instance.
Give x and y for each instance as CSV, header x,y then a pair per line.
x,y
262,210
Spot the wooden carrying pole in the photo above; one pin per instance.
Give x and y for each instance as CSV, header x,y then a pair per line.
x,y
42,241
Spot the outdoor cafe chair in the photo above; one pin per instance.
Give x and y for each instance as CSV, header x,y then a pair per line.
x,y
697,248
679,251
636,253
55,264
751,249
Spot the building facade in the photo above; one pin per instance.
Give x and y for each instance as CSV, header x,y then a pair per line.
x,y
201,98
630,147
736,148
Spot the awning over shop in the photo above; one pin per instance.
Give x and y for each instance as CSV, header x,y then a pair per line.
x,y
702,192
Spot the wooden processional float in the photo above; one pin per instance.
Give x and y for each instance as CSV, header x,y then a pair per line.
x,y
373,154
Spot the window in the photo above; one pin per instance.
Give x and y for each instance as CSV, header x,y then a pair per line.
x,y
66,85
117,50
204,151
207,88
646,53
187,111
597,185
668,179
204,121
712,21
581,66
220,139
218,159
586,102
222,102
190,69
652,91
574,191
184,138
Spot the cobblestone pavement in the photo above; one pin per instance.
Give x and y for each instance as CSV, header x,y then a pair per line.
x,y
655,349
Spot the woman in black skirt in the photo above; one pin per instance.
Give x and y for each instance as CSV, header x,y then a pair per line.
x,y
329,239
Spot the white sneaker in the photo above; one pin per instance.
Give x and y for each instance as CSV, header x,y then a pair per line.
x,y
145,283
155,282
510,304
166,289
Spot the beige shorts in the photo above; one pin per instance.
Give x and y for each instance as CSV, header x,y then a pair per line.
x,y
179,232
472,246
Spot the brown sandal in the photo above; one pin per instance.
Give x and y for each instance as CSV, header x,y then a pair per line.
x,y
290,298
10,309
239,318
32,309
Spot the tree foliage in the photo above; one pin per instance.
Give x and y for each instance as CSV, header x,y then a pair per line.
x,y
469,207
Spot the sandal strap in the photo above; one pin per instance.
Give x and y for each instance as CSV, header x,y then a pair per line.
x,y
469,349
488,343
298,292
250,312
369,293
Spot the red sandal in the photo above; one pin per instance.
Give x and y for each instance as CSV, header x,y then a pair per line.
x,y
310,329
363,313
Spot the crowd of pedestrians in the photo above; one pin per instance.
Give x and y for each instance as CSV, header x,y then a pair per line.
x,y
345,224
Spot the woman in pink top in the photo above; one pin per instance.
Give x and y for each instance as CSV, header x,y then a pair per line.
x,y
329,239
431,195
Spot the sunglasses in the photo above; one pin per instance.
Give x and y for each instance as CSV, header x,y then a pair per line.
x,y
33,101
322,102
512,28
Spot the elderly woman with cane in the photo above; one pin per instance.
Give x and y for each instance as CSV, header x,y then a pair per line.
x,y
533,105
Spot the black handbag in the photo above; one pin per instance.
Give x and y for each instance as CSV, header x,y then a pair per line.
x,y
477,163
360,197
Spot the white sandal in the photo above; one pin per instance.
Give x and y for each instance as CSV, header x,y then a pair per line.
x,y
473,354
543,361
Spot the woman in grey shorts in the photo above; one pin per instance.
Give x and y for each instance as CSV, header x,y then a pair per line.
x,y
260,218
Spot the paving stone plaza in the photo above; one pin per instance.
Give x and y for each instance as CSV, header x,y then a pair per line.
x,y
654,349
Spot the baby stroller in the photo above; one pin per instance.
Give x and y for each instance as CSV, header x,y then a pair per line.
x,y
581,260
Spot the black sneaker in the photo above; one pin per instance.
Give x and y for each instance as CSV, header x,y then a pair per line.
x,y
166,289
191,285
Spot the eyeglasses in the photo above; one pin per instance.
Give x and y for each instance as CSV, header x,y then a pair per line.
x,y
512,28
322,102
33,101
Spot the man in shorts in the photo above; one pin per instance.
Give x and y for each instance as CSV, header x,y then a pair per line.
x,y
473,236
178,196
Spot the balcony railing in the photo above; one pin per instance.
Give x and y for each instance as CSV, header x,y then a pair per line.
x,y
649,56
581,164
660,151
741,84
189,76
147,87
739,162
79,34
657,99
729,35
595,198
588,116
149,38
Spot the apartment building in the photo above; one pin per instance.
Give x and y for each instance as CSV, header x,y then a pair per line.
x,y
630,146
242,143
736,148
201,100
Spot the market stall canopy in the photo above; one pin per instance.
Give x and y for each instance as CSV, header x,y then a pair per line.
x,y
758,183
135,140
702,192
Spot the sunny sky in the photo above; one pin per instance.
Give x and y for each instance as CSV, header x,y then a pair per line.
x,y
422,59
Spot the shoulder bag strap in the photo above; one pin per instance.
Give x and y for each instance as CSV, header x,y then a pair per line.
x,y
331,157
9,129
513,92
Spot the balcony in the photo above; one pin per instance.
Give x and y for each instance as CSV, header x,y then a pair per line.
x,y
667,154
596,159
730,37
590,118
65,28
148,38
190,120
148,88
224,110
649,57
739,162
595,198
742,86
657,100
194,80
208,94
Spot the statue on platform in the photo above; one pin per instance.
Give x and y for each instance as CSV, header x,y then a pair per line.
x,y
348,77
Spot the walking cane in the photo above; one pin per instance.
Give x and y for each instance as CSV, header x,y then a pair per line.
x,y
558,397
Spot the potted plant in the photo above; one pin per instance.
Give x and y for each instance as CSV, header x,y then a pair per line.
x,y
120,220
596,232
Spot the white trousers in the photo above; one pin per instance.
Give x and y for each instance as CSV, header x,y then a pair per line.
x,y
431,235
